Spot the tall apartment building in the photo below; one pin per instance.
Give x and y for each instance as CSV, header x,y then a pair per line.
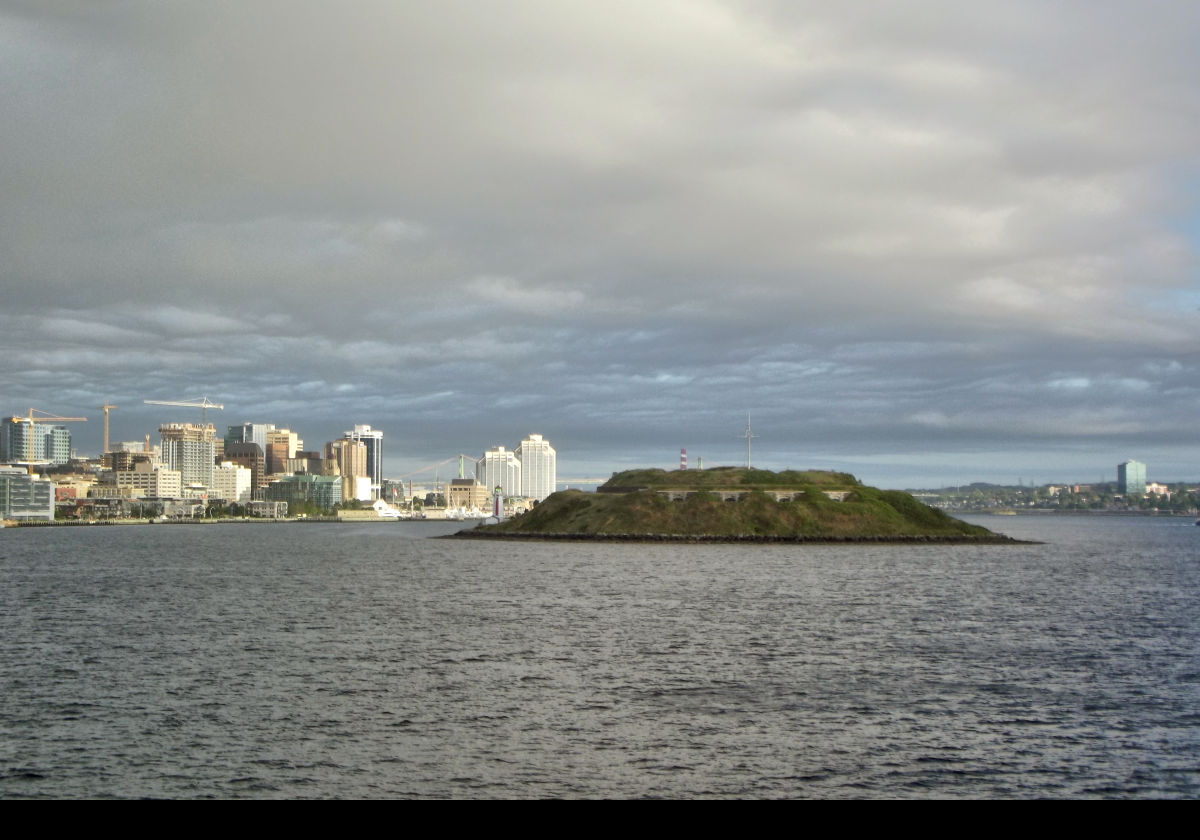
x,y
21,440
1131,478
499,467
191,449
539,467
58,445
373,440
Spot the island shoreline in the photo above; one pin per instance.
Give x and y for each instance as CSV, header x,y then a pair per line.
x,y
895,539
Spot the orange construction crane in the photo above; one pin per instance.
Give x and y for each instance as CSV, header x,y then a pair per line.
x,y
106,408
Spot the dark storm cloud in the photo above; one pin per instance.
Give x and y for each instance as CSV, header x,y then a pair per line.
x,y
904,236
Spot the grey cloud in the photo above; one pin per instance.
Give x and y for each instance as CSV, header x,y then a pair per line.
x,y
893,231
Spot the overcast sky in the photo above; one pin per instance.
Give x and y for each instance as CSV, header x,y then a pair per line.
x,y
924,242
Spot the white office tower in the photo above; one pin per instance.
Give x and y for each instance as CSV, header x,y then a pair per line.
x,y
539,467
499,467
373,440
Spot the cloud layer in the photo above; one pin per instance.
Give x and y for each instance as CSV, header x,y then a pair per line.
x,y
921,241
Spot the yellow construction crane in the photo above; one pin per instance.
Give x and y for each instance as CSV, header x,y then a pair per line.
x,y
41,417
204,404
106,408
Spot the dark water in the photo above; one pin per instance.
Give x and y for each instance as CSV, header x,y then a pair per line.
x,y
368,661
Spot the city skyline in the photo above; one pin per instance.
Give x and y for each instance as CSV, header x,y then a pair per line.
x,y
924,243
259,431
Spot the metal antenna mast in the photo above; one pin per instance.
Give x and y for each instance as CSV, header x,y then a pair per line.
x,y
748,435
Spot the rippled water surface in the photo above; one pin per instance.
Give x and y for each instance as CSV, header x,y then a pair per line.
x,y
366,660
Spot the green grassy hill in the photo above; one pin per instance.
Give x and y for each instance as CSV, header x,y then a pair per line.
x,y
727,478
865,513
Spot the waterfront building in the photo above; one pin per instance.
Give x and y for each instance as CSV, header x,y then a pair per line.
x,y
467,493
24,496
499,467
267,509
372,439
324,491
191,449
539,467
1131,478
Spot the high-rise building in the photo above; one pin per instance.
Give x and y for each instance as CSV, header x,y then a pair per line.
x,y
249,433
58,444
1131,478
539,467
189,448
373,440
499,467
282,445
351,459
21,441
249,455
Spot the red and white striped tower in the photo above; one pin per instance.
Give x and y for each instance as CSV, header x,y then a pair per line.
x,y
683,459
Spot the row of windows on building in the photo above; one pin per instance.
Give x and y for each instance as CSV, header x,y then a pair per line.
x,y
25,442
530,471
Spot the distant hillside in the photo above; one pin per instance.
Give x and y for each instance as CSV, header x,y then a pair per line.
x,y
734,504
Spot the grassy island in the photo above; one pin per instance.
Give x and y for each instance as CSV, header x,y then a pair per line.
x,y
729,504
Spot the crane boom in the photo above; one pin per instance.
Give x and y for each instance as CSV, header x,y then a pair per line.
x,y
204,404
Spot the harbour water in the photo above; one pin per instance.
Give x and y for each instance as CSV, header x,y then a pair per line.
x,y
367,660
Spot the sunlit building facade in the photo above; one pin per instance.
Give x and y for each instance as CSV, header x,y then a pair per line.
x,y
191,449
539,467
373,440
499,467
